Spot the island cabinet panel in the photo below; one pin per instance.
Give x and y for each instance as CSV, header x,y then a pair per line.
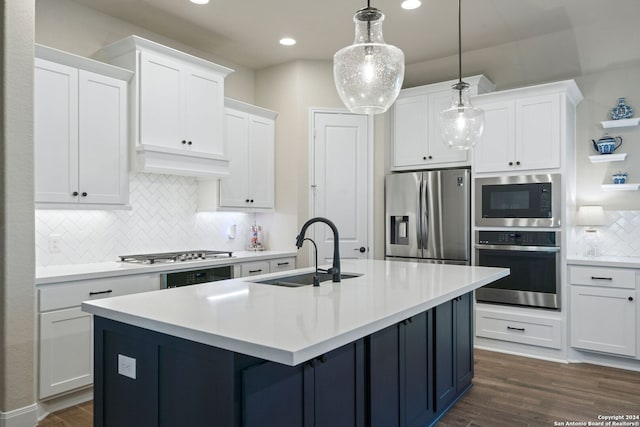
x,y
454,356
405,375
401,374
324,392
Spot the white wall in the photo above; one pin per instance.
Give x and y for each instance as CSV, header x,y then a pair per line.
x,y
17,290
69,26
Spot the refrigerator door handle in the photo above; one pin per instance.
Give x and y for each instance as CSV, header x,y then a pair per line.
x,y
425,215
419,215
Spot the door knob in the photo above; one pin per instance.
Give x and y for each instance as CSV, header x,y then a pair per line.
x,y
362,249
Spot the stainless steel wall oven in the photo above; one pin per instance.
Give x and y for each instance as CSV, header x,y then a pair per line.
x,y
534,260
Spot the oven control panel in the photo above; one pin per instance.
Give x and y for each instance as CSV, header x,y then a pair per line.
x,y
519,238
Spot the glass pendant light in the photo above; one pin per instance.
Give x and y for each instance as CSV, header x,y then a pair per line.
x,y
369,73
461,124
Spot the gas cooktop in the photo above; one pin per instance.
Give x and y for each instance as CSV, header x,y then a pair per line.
x,y
168,257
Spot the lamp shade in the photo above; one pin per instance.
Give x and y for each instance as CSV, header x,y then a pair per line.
x,y
590,215
461,124
369,73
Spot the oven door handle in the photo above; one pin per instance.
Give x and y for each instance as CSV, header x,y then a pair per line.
x,y
519,248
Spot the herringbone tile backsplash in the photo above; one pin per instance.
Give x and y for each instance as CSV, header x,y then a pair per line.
x,y
619,236
163,218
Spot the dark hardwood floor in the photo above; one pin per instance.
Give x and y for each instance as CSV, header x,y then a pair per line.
x,y
508,391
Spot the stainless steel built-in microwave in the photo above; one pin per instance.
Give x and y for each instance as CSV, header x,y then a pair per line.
x,y
518,201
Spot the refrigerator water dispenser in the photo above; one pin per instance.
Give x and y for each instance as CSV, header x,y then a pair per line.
x,y
399,230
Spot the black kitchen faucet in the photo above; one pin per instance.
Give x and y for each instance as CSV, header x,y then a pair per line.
x,y
335,270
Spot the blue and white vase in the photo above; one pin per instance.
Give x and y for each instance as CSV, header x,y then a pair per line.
x,y
621,111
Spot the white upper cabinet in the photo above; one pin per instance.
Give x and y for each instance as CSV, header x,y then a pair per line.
x,y
80,132
250,142
526,129
178,109
417,143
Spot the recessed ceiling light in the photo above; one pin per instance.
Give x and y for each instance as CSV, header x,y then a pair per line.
x,y
409,4
200,1
287,41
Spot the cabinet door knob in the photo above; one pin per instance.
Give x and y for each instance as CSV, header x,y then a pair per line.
x,y
75,193
246,201
518,163
84,194
630,298
510,163
424,157
189,143
430,157
184,141
251,200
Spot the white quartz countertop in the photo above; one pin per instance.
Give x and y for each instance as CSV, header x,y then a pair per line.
x,y
293,325
65,273
605,261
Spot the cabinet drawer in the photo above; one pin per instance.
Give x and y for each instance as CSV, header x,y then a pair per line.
x,y
254,268
542,332
602,276
71,294
282,264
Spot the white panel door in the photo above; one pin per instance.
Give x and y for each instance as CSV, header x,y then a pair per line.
x,y
55,132
340,183
234,189
603,319
161,97
66,351
538,132
103,139
495,151
204,106
261,155
410,131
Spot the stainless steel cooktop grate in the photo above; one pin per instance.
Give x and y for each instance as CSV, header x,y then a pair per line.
x,y
167,257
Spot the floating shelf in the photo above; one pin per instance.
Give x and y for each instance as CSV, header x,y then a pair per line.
x,y
620,187
623,123
605,158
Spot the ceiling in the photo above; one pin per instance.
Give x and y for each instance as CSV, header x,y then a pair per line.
x,y
247,31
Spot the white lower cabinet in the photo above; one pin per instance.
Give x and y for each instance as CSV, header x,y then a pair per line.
x,y
603,319
254,268
66,332
541,331
66,351
603,309
283,264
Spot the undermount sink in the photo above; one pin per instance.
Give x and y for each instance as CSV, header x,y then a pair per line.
x,y
304,279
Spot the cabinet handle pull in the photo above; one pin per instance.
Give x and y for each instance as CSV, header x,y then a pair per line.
x,y
283,263
75,193
511,328
601,278
630,298
255,271
100,292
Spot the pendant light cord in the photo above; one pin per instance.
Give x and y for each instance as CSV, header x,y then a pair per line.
x,y
459,42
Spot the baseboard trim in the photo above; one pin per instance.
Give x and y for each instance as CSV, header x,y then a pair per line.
x,y
22,417
46,407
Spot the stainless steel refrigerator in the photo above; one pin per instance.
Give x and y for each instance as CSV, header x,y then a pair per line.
x,y
427,216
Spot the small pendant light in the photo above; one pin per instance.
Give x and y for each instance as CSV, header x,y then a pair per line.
x,y
369,73
461,125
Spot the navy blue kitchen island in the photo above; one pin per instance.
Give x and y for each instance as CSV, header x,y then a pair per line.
x,y
393,347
